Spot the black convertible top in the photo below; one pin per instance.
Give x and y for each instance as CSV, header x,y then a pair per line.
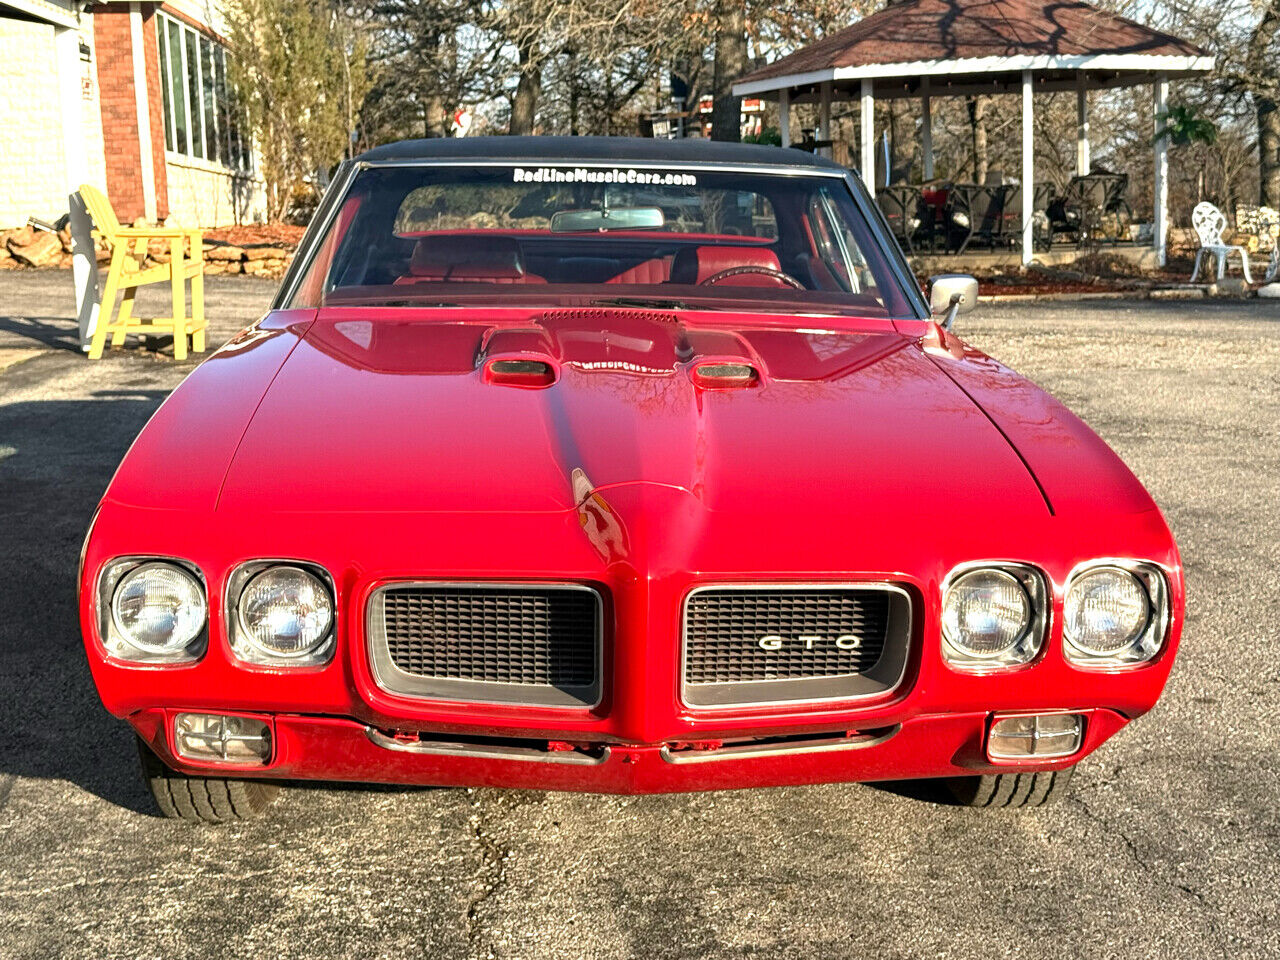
x,y
595,149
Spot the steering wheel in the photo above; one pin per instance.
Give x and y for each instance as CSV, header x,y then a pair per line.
x,y
784,278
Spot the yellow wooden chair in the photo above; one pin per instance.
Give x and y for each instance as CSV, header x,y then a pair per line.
x,y
128,272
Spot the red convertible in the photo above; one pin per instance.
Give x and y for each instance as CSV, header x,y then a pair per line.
x,y
617,466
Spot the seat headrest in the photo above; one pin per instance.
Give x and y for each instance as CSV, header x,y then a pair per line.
x,y
463,258
693,265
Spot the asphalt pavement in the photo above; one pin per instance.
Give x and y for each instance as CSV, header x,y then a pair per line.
x,y
1168,845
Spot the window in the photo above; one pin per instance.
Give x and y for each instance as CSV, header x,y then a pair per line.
x,y
566,234
201,118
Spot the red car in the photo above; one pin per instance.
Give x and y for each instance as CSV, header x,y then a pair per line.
x,y
618,466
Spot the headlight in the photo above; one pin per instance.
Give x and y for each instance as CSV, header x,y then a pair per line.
x,y
992,617
1114,615
158,611
284,613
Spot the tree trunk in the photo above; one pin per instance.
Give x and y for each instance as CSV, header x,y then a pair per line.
x,y
730,65
978,124
528,90
1268,151
1261,66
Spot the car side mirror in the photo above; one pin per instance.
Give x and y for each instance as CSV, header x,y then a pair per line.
x,y
951,294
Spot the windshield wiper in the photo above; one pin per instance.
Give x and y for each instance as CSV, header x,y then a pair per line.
x,y
657,303
395,302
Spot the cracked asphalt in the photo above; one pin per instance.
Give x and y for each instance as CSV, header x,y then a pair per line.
x,y
1168,845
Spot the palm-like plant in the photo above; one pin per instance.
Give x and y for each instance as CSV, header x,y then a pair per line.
x,y
1183,126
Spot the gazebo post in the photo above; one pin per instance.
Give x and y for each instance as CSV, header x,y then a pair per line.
x,y
784,116
824,116
974,45
926,130
1028,167
1160,228
867,123
1082,127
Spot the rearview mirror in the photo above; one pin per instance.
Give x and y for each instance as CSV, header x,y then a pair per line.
x,y
951,294
610,218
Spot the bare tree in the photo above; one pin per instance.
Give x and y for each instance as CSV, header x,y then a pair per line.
x,y
730,63
298,105
1261,65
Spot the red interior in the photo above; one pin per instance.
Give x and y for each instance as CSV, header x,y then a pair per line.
x,y
489,258
694,265
462,259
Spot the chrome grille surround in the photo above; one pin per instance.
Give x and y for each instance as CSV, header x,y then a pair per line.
x,y
493,643
756,680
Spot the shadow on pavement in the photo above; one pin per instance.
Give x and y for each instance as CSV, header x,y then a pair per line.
x,y
927,791
58,456
59,333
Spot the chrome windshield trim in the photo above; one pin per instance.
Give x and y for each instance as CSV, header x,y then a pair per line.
x,y
692,166
316,231
889,247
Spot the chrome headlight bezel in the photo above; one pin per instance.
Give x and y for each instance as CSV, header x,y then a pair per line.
x,y
1030,641
1148,644
245,649
116,644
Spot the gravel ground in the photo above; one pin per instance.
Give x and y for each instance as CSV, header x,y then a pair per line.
x,y
1169,845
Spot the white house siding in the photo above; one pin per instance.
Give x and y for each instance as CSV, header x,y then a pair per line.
x,y
208,195
31,157
33,168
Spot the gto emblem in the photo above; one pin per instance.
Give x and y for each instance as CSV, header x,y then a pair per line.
x,y
846,641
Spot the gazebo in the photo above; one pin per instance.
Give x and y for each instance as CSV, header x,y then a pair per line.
x,y
940,48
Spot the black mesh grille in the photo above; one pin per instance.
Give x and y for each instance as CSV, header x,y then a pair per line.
x,y
524,635
724,630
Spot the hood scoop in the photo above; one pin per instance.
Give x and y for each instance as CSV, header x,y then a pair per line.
x,y
518,358
520,372
724,374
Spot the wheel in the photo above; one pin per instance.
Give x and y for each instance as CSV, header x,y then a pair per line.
x,y
203,799
1010,789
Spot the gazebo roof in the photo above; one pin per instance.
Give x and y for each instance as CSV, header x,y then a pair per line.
x,y
968,40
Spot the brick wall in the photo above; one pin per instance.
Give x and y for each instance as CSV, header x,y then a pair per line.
x,y
114,49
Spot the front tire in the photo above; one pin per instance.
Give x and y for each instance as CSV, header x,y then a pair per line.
x,y
203,799
1010,790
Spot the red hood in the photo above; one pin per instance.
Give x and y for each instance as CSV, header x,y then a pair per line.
x,y
393,413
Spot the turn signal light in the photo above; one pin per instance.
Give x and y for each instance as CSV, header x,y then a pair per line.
x,y
214,738
1040,737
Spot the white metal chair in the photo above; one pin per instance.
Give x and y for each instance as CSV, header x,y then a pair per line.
x,y
1209,222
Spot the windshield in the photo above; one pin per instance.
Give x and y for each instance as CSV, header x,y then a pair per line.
x,y
678,237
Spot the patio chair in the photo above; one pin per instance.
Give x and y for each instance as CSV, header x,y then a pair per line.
x,y
902,207
1011,229
128,271
1209,222
1087,204
974,212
